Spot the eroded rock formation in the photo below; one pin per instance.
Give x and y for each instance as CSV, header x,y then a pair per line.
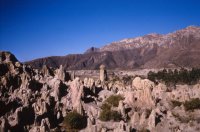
x,y
38,100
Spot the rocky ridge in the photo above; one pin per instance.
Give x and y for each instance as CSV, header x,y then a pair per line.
x,y
189,33
174,50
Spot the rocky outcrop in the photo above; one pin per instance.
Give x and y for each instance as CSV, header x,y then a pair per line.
x,y
89,83
38,100
76,88
6,57
102,74
28,96
47,71
143,92
121,110
62,74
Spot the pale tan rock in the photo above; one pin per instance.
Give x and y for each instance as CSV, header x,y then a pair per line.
x,y
25,80
76,88
185,92
122,127
129,97
103,74
152,120
143,92
55,84
142,121
121,109
61,74
135,119
3,125
89,83
46,71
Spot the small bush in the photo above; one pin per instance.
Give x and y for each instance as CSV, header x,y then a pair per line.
x,y
176,103
107,115
114,115
192,104
106,106
183,119
114,100
144,130
75,121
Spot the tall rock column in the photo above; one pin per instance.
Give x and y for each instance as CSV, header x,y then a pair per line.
x,y
103,74
61,73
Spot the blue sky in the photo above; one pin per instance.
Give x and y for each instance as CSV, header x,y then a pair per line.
x,y
37,28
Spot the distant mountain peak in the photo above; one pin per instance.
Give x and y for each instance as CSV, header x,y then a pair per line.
x,y
189,29
152,38
192,27
154,34
91,50
177,49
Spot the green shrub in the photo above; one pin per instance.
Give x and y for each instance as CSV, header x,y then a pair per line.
x,y
114,115
106,106
176,103
74,121
114,100
107,115
192,104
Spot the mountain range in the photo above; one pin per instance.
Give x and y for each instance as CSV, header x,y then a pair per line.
x,y
173,50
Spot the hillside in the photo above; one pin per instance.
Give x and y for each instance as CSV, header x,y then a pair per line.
x,y
178,49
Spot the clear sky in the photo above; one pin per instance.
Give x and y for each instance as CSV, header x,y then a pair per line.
x,y
37,28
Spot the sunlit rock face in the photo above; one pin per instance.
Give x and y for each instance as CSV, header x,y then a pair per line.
x,y
143,91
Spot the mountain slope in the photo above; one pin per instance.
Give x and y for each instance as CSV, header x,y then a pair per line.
x,y
177,49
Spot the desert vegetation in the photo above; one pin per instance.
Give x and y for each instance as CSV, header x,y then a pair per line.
x,y
107,113
176,103
189,105
192,104
182,76
74,121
